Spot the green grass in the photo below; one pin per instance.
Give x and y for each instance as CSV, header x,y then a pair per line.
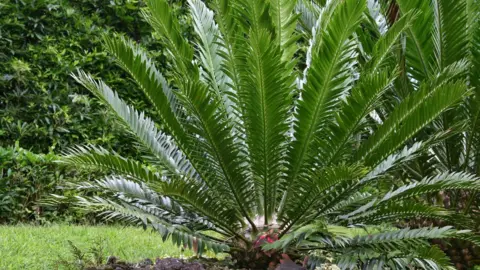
x,y
34,247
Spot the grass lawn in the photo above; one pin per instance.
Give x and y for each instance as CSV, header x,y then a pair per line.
x,y
33,247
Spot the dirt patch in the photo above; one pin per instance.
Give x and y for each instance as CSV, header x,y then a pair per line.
x,y
165,264
114,263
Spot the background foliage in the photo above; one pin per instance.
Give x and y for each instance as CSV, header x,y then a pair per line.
x,y
41,43
41,107
26,179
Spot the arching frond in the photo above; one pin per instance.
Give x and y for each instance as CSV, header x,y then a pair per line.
x,y
389,42
414,113
180,235
159,144
406,154
141,196
210,55
373,246
162,18
204,201
425,257
445,181
97,157
403,210
356,107
322,192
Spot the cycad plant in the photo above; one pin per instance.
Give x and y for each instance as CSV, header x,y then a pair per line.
x,y
272,125
452,30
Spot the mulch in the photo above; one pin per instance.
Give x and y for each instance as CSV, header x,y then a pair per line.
x,y
163,264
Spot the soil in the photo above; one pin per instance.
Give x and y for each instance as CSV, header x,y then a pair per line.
x,y
165,264
114,263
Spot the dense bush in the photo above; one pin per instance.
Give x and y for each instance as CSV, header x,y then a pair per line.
x,y
41,43
26,182
41,107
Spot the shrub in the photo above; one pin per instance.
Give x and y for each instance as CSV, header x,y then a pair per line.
x,y
41,42
26,182
257,147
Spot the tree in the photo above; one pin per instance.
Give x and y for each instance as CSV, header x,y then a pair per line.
x,y
255,135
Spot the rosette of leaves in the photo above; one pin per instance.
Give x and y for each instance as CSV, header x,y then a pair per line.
x,y
255,133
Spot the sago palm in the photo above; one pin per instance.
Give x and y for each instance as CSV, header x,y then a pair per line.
x,y
452,30
256,134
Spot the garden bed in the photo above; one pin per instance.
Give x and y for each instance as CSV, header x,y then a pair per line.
x,y
164,264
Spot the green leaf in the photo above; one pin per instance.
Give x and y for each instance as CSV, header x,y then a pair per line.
x,y
327,79
414,113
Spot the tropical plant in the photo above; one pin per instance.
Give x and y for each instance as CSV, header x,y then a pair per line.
x,y
257,137
452,29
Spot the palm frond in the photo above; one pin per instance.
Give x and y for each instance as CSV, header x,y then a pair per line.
x,y
359,104
375,10
388,42
425,257
140,196
266,96
444,181
414,113
143,128
162,18
180,235
403,238
419,44
348,204
205,201
230,40
374,246
322,193
472,155
365,95
403,210
309,12
450,37
99,158
375,249
222,156
449,32
392,161
328,77
285,22
210,55
135,61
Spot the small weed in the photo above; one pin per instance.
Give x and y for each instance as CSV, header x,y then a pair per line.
x,y
93,256
97,251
